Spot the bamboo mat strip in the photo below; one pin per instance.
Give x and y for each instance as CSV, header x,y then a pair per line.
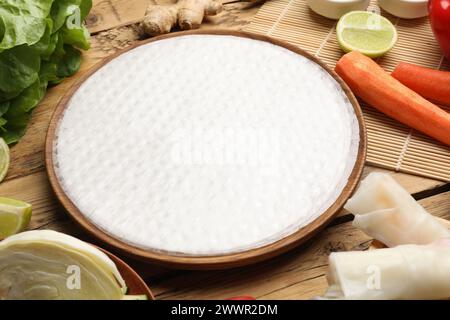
x,y
391,144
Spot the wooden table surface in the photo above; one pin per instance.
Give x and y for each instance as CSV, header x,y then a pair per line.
x,y
299,274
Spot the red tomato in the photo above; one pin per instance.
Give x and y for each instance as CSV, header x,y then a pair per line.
x,y
440,22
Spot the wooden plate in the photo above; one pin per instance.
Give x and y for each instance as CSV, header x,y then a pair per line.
x,y
135,284
211,261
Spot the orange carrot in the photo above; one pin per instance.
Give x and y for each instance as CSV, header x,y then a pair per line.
x,y
375,86
429,83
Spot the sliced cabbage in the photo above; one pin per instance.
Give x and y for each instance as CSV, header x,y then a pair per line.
x,y
47,264
135,297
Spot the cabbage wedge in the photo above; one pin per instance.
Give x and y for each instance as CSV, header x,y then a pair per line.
x,y
48,265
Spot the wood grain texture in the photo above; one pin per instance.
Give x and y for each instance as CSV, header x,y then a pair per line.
x,y
202,261
108,14
299,274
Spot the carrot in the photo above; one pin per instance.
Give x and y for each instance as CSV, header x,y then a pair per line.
x,y
375,86
429,83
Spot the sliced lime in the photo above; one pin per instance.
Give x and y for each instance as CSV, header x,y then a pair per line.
x,y
4,159
14,216
366,32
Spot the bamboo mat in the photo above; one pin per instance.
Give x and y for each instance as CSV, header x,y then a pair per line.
x,y
390,144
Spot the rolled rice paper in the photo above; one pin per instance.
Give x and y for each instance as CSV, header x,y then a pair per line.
x,y
403,272
388,213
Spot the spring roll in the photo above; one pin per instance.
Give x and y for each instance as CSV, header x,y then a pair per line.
x,y
403,272
388,213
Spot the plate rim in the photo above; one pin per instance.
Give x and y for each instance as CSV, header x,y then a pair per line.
x,y
206,262
135,284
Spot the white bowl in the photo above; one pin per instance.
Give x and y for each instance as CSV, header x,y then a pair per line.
x,y
408,9
334,9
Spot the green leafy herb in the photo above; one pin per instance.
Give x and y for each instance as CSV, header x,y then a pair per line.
x,y
19,68
38,47
23,22
69,63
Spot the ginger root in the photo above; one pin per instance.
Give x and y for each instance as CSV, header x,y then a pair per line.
x,y
160,19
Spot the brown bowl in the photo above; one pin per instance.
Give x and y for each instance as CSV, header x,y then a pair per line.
x,y
182,261
135,284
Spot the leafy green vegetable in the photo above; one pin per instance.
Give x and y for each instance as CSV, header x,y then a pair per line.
x,y
78,37
19,68
4,106
15,128
69,63
38,41
27,100
48,72
2,123
62,9
23,22
46,45
19,111
64,62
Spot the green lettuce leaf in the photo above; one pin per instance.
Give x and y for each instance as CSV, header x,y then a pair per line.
x,y
64,62
62,9
19,111
78,37
68,17
29,98
38,47
19,68
49,72
22,22
46,46
4,106
2,123
69,63
15,128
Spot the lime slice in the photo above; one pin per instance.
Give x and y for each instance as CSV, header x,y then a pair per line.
x,y
4,159
366,32
14,216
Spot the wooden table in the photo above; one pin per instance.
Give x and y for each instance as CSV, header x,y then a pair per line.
x,y
299,274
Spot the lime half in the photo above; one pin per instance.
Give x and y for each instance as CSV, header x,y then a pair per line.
x,y
4,159
14,216
366,32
